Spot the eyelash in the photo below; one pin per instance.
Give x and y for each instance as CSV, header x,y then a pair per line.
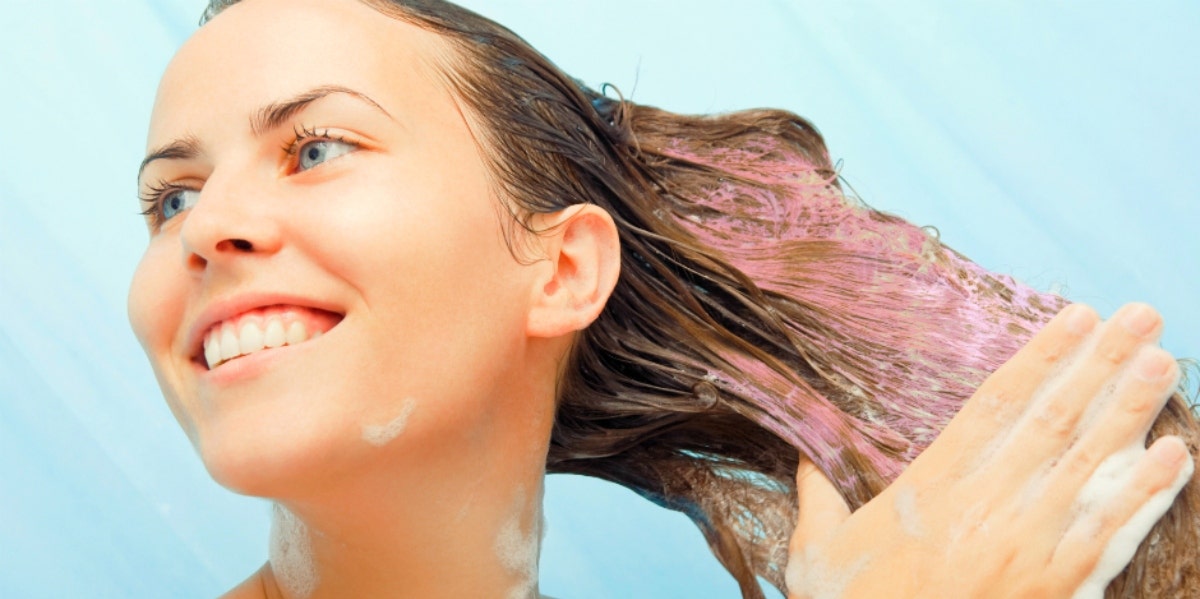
x,y
302,134
157,192
154,198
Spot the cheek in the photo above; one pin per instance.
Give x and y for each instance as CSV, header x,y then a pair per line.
x,y
414,236
442,291
155,308
141,298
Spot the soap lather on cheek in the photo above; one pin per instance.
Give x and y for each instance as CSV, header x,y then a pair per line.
x,y
379,435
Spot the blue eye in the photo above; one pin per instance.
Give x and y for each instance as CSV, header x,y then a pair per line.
x,y
321,150
176,201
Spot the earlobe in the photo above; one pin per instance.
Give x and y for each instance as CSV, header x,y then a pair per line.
x,y
581,267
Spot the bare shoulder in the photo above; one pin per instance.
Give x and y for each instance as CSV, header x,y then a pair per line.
x,y
251,588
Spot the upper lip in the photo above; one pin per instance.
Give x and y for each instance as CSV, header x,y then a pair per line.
x,y
230,307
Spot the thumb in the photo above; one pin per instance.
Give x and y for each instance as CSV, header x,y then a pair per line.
x,y
822,509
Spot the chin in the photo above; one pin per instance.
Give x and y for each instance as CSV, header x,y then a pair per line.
x,y
270,458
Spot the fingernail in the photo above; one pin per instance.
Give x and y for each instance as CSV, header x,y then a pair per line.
x,y
1137,319
1152,364
1080,319
1168,453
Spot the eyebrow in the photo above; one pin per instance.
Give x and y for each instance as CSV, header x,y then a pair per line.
x,y
265,119
184,148
275,114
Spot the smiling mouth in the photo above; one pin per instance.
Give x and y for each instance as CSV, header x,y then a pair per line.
x,y
264,329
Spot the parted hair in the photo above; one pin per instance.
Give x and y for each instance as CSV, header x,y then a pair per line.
x,y
762,312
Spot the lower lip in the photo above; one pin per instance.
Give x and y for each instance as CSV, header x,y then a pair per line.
x,y
252,365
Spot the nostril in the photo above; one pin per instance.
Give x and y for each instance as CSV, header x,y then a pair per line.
x,y
233,244
195,262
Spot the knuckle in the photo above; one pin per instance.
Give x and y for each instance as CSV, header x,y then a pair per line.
x,y
1057,421
1061,429
1139,402
1109,521
1114,351
1051,353
1080,462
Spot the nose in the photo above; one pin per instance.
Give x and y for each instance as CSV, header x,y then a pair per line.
x,y
225,224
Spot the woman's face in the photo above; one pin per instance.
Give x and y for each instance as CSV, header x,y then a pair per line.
x,y
313,172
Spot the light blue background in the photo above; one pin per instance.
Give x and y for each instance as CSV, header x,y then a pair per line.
x,y
1049,140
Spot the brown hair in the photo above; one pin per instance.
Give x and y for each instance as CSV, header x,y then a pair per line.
x,y
761,312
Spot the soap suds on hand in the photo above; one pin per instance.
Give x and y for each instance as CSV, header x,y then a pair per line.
x,y
379,435
906,511
1108,481
291,554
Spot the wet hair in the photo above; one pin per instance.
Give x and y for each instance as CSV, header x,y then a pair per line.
x,y
761,312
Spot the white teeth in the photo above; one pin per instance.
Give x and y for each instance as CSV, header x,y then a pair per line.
x,y
212,350
274,336
296,332
224,343
250,339
230,348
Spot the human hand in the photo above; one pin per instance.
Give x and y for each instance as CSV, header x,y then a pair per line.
x,y
1041,486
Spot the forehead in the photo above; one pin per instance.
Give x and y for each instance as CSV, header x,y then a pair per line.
x,y
259,51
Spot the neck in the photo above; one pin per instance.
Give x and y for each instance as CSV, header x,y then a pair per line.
x,y
449,513
483,539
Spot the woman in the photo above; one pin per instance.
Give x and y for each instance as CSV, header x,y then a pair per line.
x,y
685,303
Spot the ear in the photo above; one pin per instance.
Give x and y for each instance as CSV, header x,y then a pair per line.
x,y
580,265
